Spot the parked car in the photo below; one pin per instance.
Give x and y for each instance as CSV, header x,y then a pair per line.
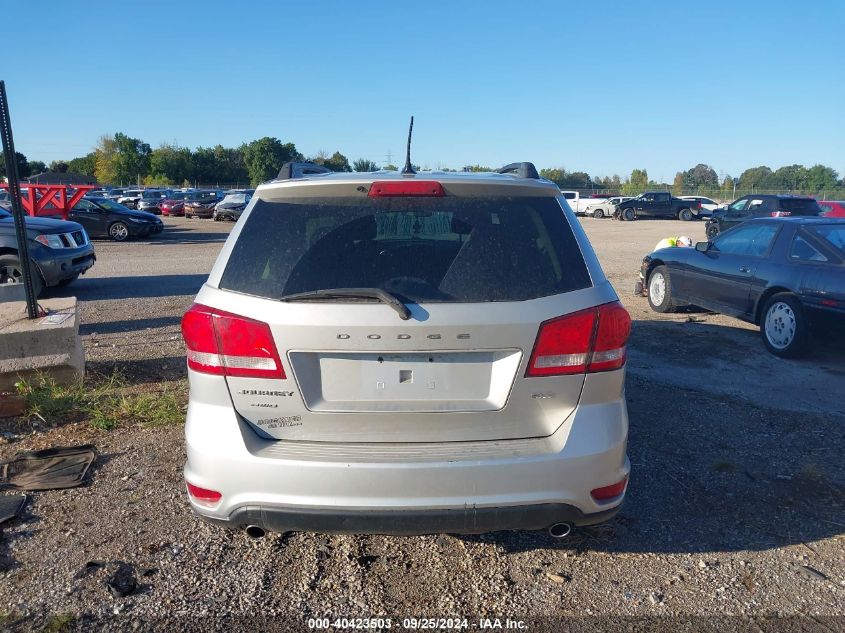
x,y
174,204
232,205
59,250
97,193
657,204
604,208
760,206
131,197
384,353
102,217
785,274
832,208
200,204
151,201
708,206
115,194
579,202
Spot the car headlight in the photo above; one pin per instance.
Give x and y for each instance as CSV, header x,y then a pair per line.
x,y
137,220
50,241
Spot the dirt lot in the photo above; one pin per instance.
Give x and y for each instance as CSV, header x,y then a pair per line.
x,y
735,509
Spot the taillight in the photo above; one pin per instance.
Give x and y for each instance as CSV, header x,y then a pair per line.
x,y
203,496
781,214
609,492
226,344
411,188
588,341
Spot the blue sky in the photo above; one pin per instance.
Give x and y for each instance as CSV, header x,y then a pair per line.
x,y
593,86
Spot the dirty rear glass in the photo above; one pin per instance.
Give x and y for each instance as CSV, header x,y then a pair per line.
x,y
421,249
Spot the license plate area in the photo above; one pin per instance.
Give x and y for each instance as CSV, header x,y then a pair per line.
x,y
423,382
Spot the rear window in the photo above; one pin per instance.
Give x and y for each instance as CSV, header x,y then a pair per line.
x,y
800,206
833,234
422,250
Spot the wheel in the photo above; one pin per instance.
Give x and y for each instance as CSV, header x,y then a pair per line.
x,y
685,215
784,326
11,272
712,230
119,232
629,215
67,282
216,217
598,213
660,290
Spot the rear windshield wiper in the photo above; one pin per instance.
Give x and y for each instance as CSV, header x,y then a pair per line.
x,y
360,293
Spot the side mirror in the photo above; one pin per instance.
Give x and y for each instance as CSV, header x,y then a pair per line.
x,y
702,247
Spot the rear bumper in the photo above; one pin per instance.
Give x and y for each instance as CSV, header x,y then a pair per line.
x,y
458,487
410,522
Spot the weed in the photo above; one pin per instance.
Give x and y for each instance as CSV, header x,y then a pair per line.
x,y
105,402
59,623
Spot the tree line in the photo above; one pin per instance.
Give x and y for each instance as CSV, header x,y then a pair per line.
x,y
120,159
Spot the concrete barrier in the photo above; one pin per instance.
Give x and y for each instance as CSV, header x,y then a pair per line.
x,y
48,346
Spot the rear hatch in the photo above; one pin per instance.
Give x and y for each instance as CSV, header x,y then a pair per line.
x,y
478,274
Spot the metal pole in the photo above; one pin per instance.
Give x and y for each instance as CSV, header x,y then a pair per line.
x,y
17,206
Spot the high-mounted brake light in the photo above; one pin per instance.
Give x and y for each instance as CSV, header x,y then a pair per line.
x,y
588,341
225,344
410,188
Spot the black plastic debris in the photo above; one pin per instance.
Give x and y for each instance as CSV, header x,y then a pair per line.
x,y
122,582
60,467
10,506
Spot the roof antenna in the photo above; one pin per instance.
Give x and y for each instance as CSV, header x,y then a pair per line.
x,y
408,168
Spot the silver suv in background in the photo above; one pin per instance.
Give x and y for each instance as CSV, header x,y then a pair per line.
x,y
404,354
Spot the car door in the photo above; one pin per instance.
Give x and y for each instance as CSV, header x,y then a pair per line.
x,y
734,214
90,216
721,278
662,205
644,204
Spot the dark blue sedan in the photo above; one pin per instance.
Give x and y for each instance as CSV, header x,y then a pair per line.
x,y
786,275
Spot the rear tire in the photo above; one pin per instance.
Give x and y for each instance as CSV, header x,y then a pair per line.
x,y
783,326
660,290
598,213
629,215
685,215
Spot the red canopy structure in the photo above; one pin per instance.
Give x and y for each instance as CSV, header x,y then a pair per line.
x,y
50,200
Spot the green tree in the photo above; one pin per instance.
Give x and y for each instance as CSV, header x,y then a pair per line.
x,y
362,164
121,159
728,187
790,177
700,177
264,157
335,162
20,159
59,166
35,167
170,163
678,185
477,168
755,178
391,167
85,165
819,178
637,183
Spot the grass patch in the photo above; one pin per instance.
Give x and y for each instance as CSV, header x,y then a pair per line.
x,y
59,623
105,403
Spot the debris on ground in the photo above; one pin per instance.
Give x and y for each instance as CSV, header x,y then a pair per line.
x,y
10,506
48,469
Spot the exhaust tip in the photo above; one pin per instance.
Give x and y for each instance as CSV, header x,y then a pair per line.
x,y
560,530
255,531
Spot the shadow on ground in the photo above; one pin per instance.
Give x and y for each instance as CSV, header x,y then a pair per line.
x,y
140,287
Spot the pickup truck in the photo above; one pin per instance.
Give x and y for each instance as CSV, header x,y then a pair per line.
x,y
579,202
657,204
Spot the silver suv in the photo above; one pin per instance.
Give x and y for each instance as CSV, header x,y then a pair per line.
x,y
406,354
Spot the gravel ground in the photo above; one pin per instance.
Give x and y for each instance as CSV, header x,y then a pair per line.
x,y
734,515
